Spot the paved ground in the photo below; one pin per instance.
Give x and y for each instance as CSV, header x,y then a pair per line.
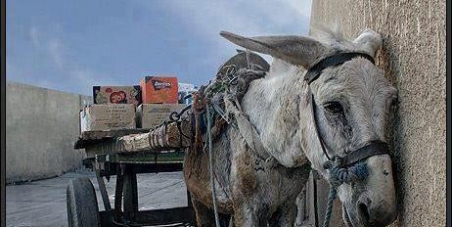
x,y
43,203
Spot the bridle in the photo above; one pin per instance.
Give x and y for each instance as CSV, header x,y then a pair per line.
x,y
350,167
372,148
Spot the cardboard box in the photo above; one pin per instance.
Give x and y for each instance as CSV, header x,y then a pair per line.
x,y
107,116
117,94
153,115
159,90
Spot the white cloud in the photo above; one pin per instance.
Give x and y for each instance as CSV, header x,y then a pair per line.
x,y
204,18
54,49
48,44
248,17
34,36
207,18
245,17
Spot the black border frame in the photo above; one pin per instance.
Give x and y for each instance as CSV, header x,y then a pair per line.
x,y
3,114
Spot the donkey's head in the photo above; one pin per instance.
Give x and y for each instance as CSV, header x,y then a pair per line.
x,y
351,104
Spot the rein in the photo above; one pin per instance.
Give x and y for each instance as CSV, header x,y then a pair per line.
x,y
350,168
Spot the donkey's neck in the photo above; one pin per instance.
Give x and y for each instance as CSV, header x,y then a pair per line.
x,y
273,106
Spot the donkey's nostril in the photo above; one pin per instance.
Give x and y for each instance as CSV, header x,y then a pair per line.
x,y
363,212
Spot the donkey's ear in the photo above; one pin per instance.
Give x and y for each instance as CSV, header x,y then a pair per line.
x,y
296,50
370,42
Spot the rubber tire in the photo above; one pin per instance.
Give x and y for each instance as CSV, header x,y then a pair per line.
x,y
81,200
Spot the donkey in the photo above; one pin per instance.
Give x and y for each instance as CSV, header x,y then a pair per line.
x,y
312,105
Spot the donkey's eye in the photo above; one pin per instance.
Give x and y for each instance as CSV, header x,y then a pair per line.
x,y
333,107
394,103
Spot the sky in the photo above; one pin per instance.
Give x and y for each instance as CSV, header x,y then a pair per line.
x,y
71,46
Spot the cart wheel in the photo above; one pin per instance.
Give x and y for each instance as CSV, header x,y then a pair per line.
x,y
82,209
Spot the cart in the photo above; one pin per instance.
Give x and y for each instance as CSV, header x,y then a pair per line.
x,y
107,158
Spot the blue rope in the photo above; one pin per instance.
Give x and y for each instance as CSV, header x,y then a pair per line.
x,y
338,176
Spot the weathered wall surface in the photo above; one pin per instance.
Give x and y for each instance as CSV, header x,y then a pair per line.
x,y
414,57
41,128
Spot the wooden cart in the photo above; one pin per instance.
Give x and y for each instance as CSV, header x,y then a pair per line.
x,y
106,157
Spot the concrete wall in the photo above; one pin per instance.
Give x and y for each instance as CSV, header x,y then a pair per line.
x,y
41,128
414,57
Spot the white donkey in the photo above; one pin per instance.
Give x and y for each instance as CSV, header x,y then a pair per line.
x,y
322,101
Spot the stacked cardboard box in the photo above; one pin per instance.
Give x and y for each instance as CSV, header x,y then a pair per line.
x,y
117,94
126,107
153,115
107,116
159,90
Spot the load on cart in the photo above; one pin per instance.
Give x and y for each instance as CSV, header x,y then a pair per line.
x,y
145,129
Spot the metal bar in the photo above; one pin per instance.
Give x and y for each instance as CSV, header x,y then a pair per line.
x,y
143,168
130,195
118,193
189,199
143,157
103,190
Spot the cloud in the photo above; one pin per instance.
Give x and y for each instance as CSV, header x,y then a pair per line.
x,y
48,43
50,49
249,17
34,36
54,49
207,18
48,56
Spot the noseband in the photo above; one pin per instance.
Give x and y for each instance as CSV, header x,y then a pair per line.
x,y
372,148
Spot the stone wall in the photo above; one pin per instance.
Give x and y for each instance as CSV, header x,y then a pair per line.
x,y
41,128
414,57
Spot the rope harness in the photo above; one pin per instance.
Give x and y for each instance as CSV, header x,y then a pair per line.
x,y
220,100
351,168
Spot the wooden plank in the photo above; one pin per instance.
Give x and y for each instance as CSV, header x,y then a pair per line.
x,y
134,143
92,137
174,135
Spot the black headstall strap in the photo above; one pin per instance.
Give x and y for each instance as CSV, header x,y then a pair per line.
x,y
373,148
331,61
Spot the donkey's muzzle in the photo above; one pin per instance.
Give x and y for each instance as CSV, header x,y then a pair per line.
x,y
375,213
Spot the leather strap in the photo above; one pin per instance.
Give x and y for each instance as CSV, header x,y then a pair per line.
x,y
331,61
373,148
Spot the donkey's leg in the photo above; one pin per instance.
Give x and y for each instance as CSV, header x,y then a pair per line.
x,y
204,216
285,215
250,215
